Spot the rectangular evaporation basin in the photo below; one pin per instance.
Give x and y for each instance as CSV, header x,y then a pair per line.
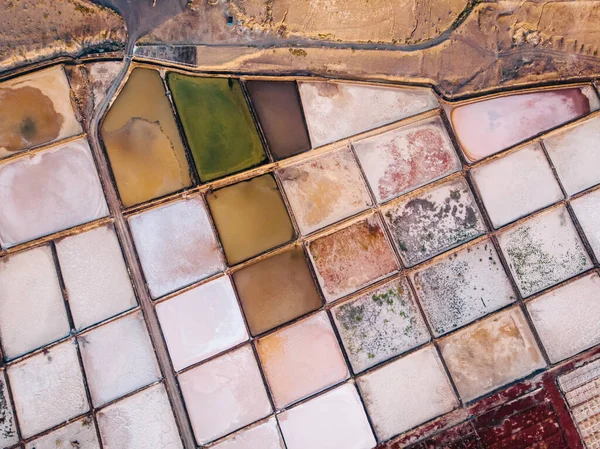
x,y
49,191
277,105
36,109
140,134
218,124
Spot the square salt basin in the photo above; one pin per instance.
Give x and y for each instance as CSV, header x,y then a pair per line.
x,y
201,322
48,389
224,395
250,217
118,358
95,276
140,134
301,359
49,191
488,126
261,436
335,419
380,324
80,434
143,420
36,109
407,392
407,157
336,110
543,251
587,211
566,319
324,190
8,425
575,153
462,287
276,290
32,309
516,185
491,353
277,104
433,221
352,258
176,244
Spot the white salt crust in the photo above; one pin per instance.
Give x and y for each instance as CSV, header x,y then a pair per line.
x,y
48,389
224,395
8,427
80,434
407,392
406,158
333,420
201,322
336,110
95,276
575,154
462,287
176,245
141,421
516,185
587,211
325,189
53,84
32,309
262,436
566,319
543,251
49,191
118,358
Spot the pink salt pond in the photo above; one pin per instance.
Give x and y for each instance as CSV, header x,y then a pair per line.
x,y
489,126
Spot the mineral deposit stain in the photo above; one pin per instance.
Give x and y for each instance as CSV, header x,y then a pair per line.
x,y
434,221
280,113
276,290
352,258
488,126
142,141
218,124
250,217
403,159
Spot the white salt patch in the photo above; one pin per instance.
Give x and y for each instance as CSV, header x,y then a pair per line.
x,y
95,276
491,353
48,389
575,154
8,428
80,434
407,392
201,322
224,395
380,324
141,421
262,436
587,210
118,358
567,318
337,110
49,191
301,359
544,251
53,84
176,245
462,287
333,420
32,310
405,158
516,185
101,75
324,190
